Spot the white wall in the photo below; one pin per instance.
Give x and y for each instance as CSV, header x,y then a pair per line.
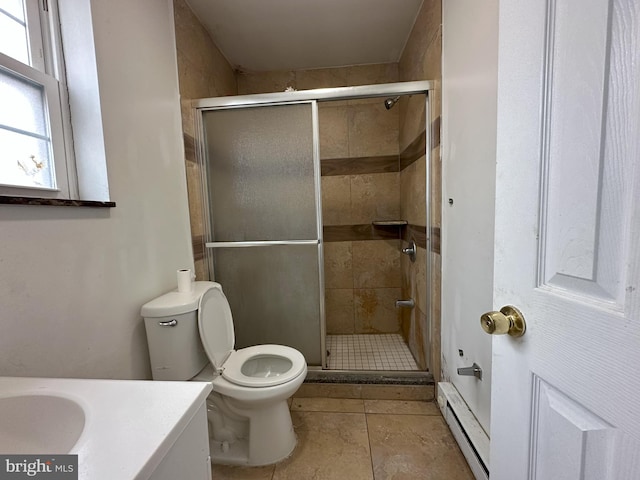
x,y
469,86
72,279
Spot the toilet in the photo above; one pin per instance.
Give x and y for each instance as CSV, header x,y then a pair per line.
x,y
191,337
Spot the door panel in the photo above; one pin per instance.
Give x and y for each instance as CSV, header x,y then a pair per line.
x,y
261,173
567,248
264,245
568,440
274,294
585,201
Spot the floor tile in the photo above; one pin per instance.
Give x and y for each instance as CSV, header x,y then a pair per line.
x,y
225,472
330,390
343,405
331,446
367,391
409,447
397,392
401,407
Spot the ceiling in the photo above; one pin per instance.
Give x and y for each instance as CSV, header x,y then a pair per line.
x,y
263,35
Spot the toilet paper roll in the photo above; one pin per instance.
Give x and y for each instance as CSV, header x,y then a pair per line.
x,y
185,281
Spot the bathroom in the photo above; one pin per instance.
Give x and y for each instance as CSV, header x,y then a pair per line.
x,y
73,279
124,252
116,259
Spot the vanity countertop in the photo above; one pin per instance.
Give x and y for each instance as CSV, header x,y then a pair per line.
x,y
130,425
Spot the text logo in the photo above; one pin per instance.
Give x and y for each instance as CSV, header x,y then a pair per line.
x,y
39,467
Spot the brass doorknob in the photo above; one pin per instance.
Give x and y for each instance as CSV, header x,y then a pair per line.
x,y
507,320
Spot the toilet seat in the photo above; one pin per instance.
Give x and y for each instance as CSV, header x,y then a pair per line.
x,y
257,366
263,365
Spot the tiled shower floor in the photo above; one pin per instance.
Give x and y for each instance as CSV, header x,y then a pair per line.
x,y
369,352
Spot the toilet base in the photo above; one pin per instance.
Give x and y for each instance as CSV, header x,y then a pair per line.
x,y
237,453
268,439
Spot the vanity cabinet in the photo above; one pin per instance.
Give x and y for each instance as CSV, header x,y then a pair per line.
x,y
188,458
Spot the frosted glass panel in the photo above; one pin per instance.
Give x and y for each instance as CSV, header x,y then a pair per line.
x,y
274,293
260,173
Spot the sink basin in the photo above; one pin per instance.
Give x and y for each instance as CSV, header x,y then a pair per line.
x,y
39,424
122,429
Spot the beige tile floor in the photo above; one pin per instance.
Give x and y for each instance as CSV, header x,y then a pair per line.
x,y
357,439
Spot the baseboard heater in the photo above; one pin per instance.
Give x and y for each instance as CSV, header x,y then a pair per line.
x,y
464,426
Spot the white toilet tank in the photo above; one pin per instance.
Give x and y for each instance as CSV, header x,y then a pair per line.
x,y
171,322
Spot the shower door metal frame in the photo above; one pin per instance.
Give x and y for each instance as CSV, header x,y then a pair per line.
x,y
313,97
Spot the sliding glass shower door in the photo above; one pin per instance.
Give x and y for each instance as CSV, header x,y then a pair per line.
x,y
264,245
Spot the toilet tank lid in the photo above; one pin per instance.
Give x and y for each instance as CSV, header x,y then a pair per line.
x,y
177,303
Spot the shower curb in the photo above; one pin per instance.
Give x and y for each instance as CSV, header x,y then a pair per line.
x,y
369,377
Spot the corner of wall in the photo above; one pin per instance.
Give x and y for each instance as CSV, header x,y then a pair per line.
x,y
422,60
84,99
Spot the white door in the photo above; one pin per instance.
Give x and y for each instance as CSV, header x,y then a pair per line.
x,y
566,395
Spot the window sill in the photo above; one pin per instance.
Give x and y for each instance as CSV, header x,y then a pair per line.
x,y
55,202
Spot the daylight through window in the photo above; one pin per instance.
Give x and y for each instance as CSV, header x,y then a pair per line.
x,y
33,154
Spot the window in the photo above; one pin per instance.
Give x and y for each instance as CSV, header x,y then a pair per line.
x,y
35,136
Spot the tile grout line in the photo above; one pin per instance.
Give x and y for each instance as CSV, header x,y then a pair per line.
x,y
366,421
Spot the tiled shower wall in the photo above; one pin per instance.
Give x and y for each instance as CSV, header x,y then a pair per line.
x,y
360,184
421,60
202,72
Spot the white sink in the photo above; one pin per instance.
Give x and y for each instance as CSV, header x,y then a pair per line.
x,y
39,424
123,429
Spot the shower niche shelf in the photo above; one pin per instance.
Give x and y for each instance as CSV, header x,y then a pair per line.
x,y
389,223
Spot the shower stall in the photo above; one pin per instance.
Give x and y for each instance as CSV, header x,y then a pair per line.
x,y
302,273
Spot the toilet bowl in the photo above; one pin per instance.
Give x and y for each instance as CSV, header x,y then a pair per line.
x,y
191,337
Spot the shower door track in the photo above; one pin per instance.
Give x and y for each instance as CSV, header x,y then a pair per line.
x,y
318,94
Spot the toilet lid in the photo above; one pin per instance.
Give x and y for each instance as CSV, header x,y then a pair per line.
x,y
216,325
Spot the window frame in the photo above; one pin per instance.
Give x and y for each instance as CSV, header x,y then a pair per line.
x,y
45,49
